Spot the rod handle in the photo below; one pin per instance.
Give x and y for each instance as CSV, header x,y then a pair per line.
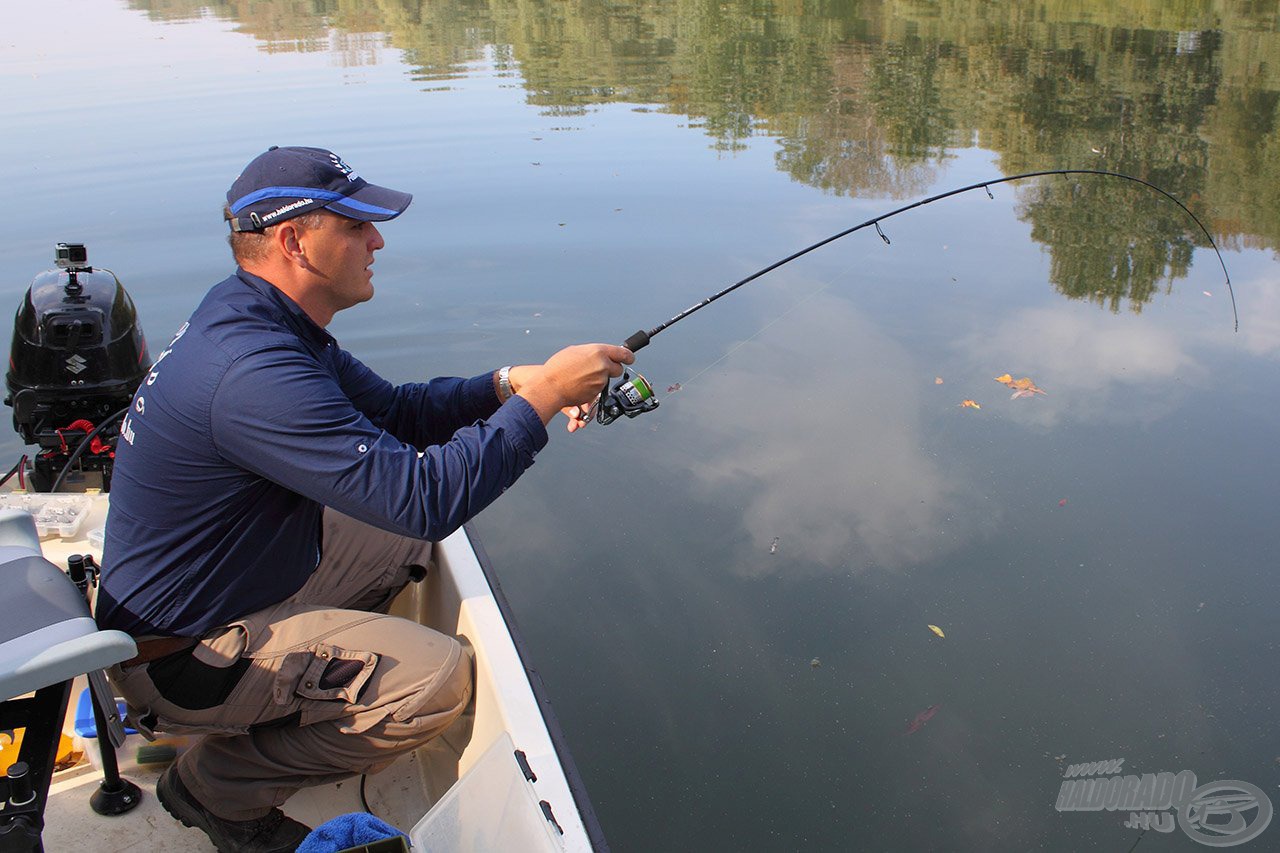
x,y
638,341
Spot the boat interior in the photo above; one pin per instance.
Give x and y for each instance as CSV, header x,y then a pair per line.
x,y
493,781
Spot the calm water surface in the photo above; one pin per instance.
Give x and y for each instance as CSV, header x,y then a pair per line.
x,y
1101,557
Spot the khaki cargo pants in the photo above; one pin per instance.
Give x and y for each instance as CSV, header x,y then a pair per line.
x,y
312,690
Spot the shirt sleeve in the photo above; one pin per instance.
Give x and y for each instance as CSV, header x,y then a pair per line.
x,y
281,415
420,413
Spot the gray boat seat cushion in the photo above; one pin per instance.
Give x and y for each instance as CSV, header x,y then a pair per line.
x,y
47,634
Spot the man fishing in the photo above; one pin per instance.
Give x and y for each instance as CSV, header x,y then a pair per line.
x,y
271,497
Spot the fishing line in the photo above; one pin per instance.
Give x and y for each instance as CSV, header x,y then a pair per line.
x,y
837,276
740,344
788,312
633,396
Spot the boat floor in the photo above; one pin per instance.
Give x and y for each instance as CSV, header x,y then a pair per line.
x,y
397,795
71,824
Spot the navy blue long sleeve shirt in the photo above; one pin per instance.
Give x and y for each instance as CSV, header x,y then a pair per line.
x,y
251,422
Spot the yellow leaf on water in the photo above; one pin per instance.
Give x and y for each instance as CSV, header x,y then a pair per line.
x,y
1023,387
937,380
935,629
969,404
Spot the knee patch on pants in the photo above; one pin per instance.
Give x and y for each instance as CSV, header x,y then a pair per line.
x,y
436,702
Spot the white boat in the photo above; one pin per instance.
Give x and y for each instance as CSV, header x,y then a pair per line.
x,y
500,779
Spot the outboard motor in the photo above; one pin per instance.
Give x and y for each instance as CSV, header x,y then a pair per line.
x,y
78,355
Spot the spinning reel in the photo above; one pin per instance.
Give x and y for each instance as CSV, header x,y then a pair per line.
x,y
631,396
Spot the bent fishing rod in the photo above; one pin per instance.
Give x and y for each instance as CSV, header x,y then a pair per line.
x,y
633,395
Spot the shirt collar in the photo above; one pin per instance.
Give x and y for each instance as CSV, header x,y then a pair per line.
x,y
305,326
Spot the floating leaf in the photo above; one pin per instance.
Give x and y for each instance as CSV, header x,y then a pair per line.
x,y
673,388
1062,502
969,404
920,719
1023,387
935,629
937,380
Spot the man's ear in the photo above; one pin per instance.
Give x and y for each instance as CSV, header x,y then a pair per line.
x,y
287,240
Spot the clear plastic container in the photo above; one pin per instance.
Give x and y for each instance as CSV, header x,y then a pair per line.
x,y
491,808
55,515
137,753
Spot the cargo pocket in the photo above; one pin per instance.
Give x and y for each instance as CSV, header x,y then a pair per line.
x,y
328,676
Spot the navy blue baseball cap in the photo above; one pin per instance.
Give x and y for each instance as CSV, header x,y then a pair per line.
x,y
286,182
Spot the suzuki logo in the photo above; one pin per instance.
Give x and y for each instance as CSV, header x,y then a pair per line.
x,y
76,364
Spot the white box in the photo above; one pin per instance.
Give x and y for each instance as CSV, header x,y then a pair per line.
x,y
55,515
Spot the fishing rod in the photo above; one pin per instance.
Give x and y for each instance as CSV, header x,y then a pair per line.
x,y
633,395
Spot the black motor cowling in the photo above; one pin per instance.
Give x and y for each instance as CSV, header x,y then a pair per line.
x,y
78,355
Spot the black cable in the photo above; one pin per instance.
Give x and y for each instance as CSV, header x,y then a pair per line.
x,y
88,439
641,338
14,469
364,777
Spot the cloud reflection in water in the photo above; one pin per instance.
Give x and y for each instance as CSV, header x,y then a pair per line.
x,y
847,482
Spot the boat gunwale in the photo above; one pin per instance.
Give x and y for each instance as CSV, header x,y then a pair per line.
x,y
573,778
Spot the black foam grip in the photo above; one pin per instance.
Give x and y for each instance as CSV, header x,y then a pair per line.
x,y
638,341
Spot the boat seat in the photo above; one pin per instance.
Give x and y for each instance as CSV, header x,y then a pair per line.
x,y
47,638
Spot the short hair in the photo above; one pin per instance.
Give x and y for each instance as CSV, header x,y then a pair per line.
x,y
251,246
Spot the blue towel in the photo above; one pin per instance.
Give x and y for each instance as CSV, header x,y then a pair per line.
x,y
348,830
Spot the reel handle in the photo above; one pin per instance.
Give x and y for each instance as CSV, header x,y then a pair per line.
x,y
636,399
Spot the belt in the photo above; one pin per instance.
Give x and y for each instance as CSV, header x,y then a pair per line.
x,y
154,649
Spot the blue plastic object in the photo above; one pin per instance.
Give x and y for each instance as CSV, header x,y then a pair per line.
x,y
84,725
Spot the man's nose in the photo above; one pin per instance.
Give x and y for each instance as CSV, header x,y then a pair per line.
x,y
375,238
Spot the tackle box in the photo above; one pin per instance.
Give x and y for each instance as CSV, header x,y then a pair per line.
x,y
136,754
55,515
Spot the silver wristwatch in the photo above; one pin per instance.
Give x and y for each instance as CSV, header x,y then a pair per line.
x,y
504,384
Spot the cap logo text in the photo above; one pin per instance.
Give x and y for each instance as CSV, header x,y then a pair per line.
x,y
343,167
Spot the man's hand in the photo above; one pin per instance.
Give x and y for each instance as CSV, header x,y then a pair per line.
x,y
580,415
569,377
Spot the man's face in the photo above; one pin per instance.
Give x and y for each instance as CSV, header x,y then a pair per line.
x,y
340,252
